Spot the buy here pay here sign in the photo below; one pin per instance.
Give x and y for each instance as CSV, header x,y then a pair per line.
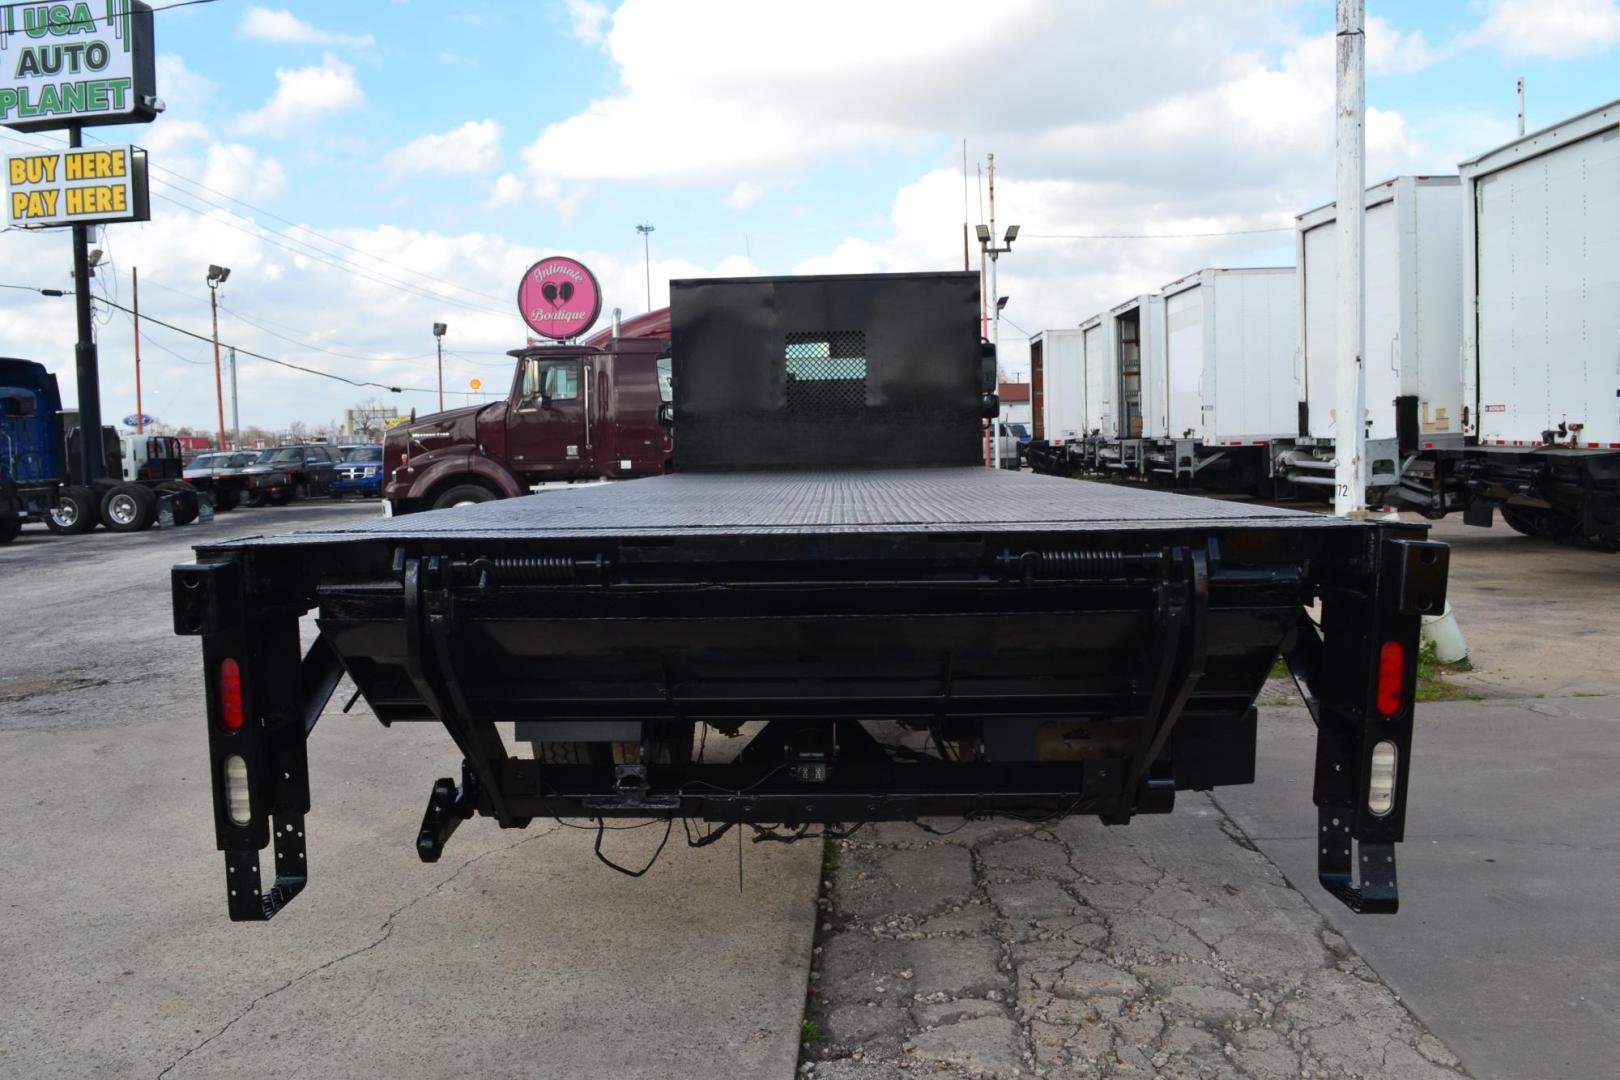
x,y
69,187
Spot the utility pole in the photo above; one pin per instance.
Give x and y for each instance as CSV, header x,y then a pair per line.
x,y
1521,104
438,340
87,369
1350,405
216,278
236,416
646,258
135,293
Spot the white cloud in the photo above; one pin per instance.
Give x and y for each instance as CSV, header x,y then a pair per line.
x,y
1390,52
352,308
587,18
472,148
302,95
508,190
710,95
1555,29
744,195
242,173
271,24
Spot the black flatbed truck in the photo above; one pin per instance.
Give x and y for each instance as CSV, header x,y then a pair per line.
x,y
921,639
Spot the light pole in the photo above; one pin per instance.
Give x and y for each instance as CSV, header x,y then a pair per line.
x,y
987,238
438,339
236,412
646,258
216,278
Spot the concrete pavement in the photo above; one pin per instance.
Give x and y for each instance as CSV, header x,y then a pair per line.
x,y
1507,943
517,955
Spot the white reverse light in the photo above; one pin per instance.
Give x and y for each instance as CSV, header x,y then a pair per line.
x,y
236,790
1381,784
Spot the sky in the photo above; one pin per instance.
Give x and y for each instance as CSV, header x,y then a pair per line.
x,y
367,169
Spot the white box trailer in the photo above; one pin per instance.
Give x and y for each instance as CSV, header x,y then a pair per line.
x,y
1102,379
1413,312
1541,286
1057,386
1142,410
1230,342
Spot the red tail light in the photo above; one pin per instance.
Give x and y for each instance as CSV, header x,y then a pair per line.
x,y
1391,677
230,694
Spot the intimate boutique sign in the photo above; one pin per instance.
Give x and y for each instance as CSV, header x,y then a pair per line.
x,y
559,298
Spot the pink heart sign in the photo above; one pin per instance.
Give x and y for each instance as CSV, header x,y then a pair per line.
x,y
559,298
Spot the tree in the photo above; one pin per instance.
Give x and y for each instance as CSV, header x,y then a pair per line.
x,y
369,419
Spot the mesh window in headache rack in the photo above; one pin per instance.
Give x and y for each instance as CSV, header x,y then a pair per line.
x,y
825,372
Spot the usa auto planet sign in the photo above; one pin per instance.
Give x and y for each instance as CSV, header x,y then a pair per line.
x,y
83,63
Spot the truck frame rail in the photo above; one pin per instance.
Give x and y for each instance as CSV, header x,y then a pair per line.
x,y
891,646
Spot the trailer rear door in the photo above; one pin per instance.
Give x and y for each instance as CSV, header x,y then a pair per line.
x,y
1184,360
1547,251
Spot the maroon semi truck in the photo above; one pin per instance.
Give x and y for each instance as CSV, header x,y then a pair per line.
x,y
580,413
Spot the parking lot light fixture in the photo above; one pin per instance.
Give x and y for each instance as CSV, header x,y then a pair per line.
x,y
438,339
216,278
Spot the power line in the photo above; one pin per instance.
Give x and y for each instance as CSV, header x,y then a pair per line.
x,y
42,292
109,18
153,341
270,237
273,360
294,246
478,363
304,229
316,348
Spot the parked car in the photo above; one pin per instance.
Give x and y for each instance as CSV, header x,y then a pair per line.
x,y
310,469
360,472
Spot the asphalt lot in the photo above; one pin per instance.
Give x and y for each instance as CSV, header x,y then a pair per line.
x,y
1193,945
516,955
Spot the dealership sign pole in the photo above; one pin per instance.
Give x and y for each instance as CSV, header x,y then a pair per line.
x,y
73,65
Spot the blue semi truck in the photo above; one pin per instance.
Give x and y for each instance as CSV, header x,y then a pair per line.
x,y
39,481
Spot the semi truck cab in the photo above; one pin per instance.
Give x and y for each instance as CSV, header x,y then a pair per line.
x,y
574,414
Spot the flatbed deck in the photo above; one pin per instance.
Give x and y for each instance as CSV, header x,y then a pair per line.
x,y
940,500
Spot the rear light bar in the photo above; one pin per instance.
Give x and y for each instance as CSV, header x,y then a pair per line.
x,y
1391,677
230,694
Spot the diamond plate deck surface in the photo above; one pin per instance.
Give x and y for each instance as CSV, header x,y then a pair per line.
x,y
910,500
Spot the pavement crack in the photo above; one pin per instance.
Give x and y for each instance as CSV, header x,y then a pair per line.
x,y
384,932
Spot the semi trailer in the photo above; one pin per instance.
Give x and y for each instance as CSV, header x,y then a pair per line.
x,y
1058,392
1413,316
872,615
1541,338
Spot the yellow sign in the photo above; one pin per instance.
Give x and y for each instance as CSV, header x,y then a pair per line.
x,y
475,384
67,187
395,421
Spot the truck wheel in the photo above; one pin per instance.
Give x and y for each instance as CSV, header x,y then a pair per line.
x,y
1542,524
9,528
463,495
129,508
185,500
282,497
252,499
225,500
77,511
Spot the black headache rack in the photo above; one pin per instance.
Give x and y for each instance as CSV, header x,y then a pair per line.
x,y
893,645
